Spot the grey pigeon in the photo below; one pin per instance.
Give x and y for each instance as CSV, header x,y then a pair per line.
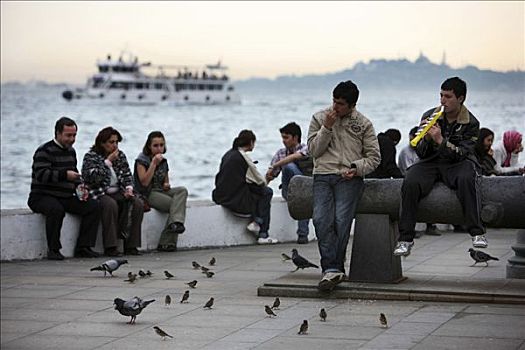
x,y
195,265
382,320
300,262
212,261
109,266
168,274
480,256
276,304
304,327
185,297
209,303
322,314
285,257
131,307
161,333
192,284
269,311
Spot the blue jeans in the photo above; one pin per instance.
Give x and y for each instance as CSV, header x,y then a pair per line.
x,y
335,203
262,211
288,171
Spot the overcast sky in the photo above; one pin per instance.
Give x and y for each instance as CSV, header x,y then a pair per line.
x,y
60,41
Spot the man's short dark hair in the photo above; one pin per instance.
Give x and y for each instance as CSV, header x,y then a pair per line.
x,y
291,129
348,91
413,131
394,135
64,121
458,86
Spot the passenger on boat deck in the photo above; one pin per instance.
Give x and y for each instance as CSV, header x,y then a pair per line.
x,y
56,189
152,180
242,189
106,172
290,160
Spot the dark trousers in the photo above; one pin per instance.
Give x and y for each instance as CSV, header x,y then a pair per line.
x,y
121,218
55,208
420,178
262,210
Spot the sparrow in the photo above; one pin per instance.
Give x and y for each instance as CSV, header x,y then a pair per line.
x,y
300,262
142,273
212,261
195,264
480,256
276,304
382,320
167,300
304,327
149,273
185,297
322,314
209,274
285,257
109,266
131,307
209,303
131,277
269,311
204,269
168,275
192,284
161,333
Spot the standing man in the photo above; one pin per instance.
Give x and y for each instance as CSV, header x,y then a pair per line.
x,y
344,146
446,153
285,160
55,191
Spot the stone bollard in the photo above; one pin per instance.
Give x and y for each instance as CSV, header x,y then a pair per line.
x,y
516,264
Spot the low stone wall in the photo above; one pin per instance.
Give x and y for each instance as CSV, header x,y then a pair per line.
x,y
207,225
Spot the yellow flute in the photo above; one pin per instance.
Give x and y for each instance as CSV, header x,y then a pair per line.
x,y
422,131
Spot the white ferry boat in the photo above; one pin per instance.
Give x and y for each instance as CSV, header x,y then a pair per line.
x,y
123,81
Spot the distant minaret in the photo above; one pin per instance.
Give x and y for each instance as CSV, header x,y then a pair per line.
x,y
444,59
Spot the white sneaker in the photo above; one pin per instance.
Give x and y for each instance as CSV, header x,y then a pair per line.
x,y
267,240
480,241
330,280
403,248
253,227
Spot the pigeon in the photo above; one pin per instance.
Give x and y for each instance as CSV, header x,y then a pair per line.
x,y
168,274
301,262
209,274
167,300
382,320
304,327
209,303
269,311
185,297
131,307
322,314
161,333
109,266
285,257
212,261
276,304
149,273
131,277
142,273
480,256
192,284
204,269
195,264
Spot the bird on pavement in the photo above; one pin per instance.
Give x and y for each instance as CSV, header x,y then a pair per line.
x,y
300,262
212,261
167,300
210,274
131,307
304,327
109,266
168,274
195,264
204,269
149,273
161,333
269,311
382,320
132,277
285,257
480,256
185,297
209,303
142,273
192,284
323,315
276,304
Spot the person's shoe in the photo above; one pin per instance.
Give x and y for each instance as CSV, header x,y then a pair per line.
x,y
330,280
112,252
54,255
86,252
177,227
302,240
403,248
167,248
432,230
480,241
132,251
253,227
267,240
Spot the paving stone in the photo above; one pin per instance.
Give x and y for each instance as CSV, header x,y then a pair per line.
x,y
433,342
309,342
393,341
52,342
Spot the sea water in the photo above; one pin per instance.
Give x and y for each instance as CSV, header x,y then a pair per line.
x,y
198,136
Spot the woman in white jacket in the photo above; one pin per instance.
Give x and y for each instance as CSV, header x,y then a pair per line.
x,y
506,154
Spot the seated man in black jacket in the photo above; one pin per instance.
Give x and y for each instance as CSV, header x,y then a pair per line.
x,y
446,153
387,169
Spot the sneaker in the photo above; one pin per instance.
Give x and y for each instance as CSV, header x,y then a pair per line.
x,y
330,280
267,240
54,255
302,240
253,227
167,248
480,241
403,248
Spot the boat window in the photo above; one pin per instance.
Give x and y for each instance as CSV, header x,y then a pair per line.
x,y
119,85
219,87
179,87
102,69
201,86
230,88
192,86
97,82
159,86
139,85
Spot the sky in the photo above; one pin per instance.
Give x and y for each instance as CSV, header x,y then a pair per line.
x,y
61,41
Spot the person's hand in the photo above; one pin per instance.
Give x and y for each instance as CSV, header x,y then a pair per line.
x,y
269,175
113,155
521,170
435,134
157,159
72,175
330,119
166,186
129,192
349,174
